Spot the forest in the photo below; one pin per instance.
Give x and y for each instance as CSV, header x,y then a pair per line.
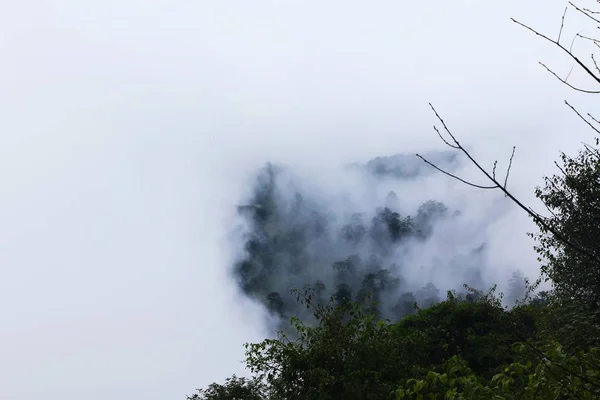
x,y
352,322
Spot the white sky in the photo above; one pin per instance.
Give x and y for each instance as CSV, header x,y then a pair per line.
x,y
127,128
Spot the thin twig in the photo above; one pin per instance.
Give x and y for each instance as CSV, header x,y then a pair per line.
x,y
591,39
509,165
590,149
581,116
537,214
562,24
445,127
456,177
594,41
595,63
584,13
560,168
444,140
573,42
590,11
570,72
494,171
567,83
581,64
549,210
592,117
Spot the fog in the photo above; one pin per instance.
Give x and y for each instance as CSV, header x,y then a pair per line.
x,y
392,228
130,131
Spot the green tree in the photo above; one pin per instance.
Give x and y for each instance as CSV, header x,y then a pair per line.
x,y
234,389
573,198
349,354
569,377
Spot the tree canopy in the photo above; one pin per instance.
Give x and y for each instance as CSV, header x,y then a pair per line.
x,y
457,349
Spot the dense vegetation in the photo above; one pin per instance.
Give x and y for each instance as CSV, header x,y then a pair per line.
x,y
458,349
353,344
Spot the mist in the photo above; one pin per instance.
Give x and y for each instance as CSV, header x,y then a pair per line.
x,y
131,131
374,230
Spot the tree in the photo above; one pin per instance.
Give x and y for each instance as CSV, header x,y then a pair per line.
x,y
568,243
234,389
454,348
573,198
575,378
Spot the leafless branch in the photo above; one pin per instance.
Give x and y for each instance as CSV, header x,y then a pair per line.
x,y
454,176
591,39
444,140
592,117
445,127
590,11
567,83
584,12
577,60
537,214
560,168
573,42
595,42
570,72
539,219
591,150
562,24
494,171
509,165
595,63
582,117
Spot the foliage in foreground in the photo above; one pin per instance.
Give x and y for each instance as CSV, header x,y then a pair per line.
x,y
457,349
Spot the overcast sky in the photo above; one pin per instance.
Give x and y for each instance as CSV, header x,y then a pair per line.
x,y
128,128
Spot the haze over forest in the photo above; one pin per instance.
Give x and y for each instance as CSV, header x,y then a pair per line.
x,y
374,236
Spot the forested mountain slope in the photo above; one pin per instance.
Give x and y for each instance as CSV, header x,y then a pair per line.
x,y
296,237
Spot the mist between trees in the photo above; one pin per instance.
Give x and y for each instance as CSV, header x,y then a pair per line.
x,y
381,252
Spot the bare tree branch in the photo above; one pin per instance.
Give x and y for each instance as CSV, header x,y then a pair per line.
x,y
591,39
595,63
592,117
562,24
567,83
509,165
584,12
595,42
591,150
454,176
590,11
539,219
560,168
444,140
577,60
581,116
